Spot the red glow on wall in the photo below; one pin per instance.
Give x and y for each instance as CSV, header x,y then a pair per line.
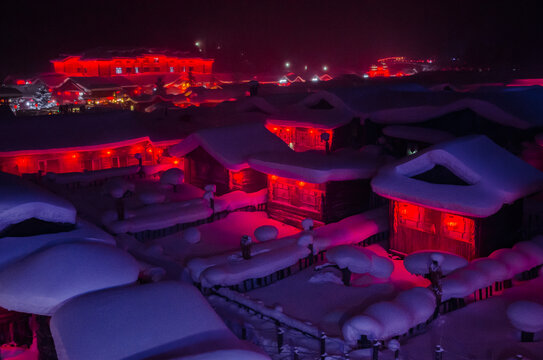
x,y
131,66
237,176
149,150
409,212
301,183
108,152
274,177
459,228
74,156
20,82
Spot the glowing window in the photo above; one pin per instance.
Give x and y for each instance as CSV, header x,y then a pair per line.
x,y
458,228
118,70
136,70
414,217
171,69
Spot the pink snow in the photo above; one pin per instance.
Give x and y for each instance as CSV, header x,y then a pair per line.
x,y
360,260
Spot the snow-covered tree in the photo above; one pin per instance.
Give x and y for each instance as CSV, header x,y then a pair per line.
x,y
42,97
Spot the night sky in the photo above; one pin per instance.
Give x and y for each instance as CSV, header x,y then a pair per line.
x,y
259,36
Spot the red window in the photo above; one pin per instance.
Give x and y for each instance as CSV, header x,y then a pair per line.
x,y
414,217
458,228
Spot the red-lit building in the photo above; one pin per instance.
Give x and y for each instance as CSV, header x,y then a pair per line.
x,y
91,141
130,62
325,188
303,125
463,196
220,156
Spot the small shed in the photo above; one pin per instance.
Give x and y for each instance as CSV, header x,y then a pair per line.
x,y
326,188
463,196
220,156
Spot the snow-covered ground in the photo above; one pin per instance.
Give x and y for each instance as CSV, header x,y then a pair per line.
x,y
319,296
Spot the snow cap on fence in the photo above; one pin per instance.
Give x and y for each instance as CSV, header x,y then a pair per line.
x,y
418,262
526,316
266,233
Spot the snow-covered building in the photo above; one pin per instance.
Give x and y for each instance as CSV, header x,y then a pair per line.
x,y
220,156
165,320
323,187
115,62
463,196
305,126
78,142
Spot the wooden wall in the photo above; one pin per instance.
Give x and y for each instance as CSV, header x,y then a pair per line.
x,y
202,169
345,198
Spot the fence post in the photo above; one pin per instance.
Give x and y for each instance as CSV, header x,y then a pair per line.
x,y
243,332
296,354
375,352
280,336
438,353
323,345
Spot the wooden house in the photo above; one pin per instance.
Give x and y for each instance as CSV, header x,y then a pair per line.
x,y
323,187
220,156
302,125
463,196
79,142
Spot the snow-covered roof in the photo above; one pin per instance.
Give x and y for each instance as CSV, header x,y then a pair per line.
x,y
72,131
493,177
317,167
42,281
414,133
232,146
21,200
305,113
165,320
520,108
256,103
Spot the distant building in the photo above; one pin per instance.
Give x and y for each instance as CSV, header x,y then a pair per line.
x,y
84,142
130,62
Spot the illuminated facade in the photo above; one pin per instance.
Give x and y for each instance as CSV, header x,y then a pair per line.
x,y
301,138
84,158
125,66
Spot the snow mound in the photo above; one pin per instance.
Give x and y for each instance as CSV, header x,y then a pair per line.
x,y
192,235
15,248
395,318
362,325
41,282
360,260
173,176
21,200
387,319
165,320
117,187
151,197
492,268
532,250
419,301
516,261
526,316
326,277
266,233
418,262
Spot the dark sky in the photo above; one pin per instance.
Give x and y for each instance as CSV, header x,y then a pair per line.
x,y
259,35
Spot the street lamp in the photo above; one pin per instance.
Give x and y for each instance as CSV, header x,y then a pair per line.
x,y
287,64
325,68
